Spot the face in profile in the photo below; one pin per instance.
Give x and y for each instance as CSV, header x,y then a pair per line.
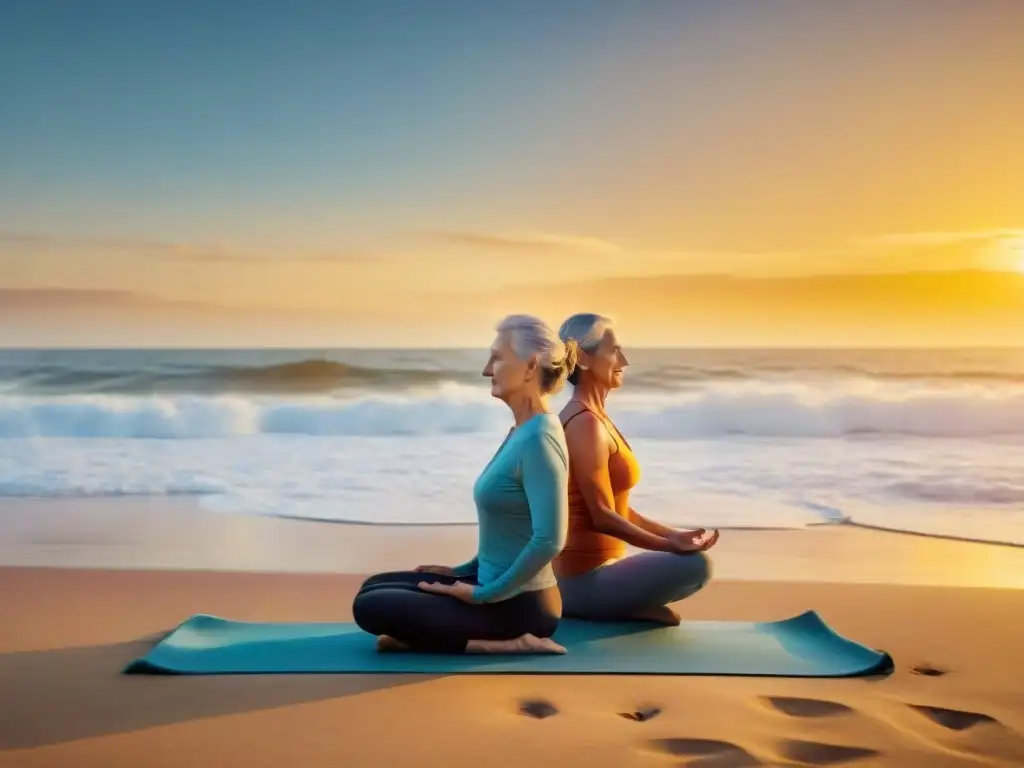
x,y
508,372
606,364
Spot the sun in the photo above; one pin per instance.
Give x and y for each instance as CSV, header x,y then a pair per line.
x,y
1014,250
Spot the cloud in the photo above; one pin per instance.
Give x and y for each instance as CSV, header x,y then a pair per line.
x,y
61,298
884,253
998,249
17,298
232,255
925,239
221,252
887,252
39,240
543,241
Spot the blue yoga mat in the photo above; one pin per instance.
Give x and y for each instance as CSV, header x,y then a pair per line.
x,y
802,646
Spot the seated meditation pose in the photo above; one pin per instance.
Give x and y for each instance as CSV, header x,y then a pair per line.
x,y
506,598
599,582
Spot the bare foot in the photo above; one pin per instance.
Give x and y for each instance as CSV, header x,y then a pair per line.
x,y
386,643
523,644
660,615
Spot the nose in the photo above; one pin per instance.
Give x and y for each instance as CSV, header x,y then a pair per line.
x,y
624,361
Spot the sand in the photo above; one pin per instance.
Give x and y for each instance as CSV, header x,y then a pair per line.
x,y
66,632
175,533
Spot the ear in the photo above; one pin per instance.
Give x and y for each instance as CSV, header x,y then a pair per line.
x,y
531,366
583,360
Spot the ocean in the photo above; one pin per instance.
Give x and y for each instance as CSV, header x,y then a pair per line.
x,y
925,441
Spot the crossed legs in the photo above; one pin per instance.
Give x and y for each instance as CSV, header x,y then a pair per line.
x,y
638,587
393,607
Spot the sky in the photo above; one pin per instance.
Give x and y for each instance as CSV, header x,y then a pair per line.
x,y
396,173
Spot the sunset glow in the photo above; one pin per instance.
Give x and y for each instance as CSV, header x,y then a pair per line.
x,y
1017,254
709,173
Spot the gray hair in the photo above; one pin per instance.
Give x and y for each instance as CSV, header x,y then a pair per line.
x,y
529,335
587,330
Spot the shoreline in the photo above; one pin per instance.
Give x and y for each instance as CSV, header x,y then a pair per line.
x,y
743,528
174,533
195,500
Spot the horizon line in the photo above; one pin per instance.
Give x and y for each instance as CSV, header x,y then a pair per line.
x,y
397,348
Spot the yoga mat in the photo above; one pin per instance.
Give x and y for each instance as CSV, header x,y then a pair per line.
x,y
802,646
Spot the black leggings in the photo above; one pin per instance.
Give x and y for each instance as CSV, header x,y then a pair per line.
x,y
392,604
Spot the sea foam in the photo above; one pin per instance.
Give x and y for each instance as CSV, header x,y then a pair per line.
x,y
759,409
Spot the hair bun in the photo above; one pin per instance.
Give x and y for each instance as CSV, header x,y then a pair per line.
x,y
572,354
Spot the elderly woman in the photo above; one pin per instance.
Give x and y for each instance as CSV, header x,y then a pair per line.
x,y
506,599
597,579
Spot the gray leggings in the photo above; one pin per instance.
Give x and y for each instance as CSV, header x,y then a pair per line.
x,y
640,582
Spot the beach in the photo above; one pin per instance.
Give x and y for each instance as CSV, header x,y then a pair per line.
x,y
87,586
141,487
285,292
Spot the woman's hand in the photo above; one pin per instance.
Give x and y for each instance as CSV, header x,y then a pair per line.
x,y
685,542
460,590
440,570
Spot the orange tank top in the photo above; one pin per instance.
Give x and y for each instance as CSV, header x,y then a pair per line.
x,y
586,547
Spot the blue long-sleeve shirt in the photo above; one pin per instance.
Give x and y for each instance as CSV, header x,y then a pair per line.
x,y
522,501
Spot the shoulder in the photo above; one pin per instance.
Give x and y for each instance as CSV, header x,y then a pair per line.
x,y
575,417
581,421
586,435
544,434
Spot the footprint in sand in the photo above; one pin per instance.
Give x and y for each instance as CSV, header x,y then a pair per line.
x,y
641,715
710,753
797,707
820,753
953,719
538,708
929,671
